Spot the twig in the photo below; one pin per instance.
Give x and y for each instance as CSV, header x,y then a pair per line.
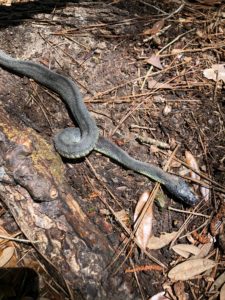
x,y
153,6
218,46
145,208
176,11
188,212
5,237
198,173
144,268
155,142
101,182
161,50
41,104
138,283
126,116
196,229
186,222
136,80
127,230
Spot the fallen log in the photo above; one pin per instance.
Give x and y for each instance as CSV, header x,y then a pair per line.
x,y
33,187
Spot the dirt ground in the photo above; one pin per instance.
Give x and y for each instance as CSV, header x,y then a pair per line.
x,y
140,67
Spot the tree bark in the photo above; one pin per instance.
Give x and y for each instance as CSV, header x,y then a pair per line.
x,y
33,187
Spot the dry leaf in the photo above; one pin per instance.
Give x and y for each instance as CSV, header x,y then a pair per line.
x,y
199,33
9,2
167,109
176,51
154,60
185,250
6,2
153,84
190,239
144,229
216,73
175,164
155,243
12,263
192,162
6,255
182,253
191,268
204,250
159,296
217,283
187,59
123,216
205,192
179,290
155,28
222,293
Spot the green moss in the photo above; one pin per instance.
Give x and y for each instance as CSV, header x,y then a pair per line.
x,y
44,152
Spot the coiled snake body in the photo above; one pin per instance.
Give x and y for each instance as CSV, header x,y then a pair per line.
x,y
74,142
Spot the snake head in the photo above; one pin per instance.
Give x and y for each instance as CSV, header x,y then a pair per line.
x,y
181,190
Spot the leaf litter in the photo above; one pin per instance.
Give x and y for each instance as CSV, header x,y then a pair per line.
x,y
192,86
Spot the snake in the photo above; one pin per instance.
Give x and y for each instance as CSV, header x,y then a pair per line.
x,y
78,142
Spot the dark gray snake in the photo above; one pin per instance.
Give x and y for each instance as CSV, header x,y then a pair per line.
x,y
74,142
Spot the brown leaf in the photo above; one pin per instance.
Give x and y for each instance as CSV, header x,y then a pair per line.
x,y
222,292
200,33
123,216
155,243
204,250
154,60
167,109
179,290
205,192
185,250
192,162
6,255
155,28
144,229
159,296
218,283
216,73
6,2
191,268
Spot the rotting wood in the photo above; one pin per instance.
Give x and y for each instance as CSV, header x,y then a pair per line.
x,y
33,187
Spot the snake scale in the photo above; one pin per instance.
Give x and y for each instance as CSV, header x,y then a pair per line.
x,y
79,142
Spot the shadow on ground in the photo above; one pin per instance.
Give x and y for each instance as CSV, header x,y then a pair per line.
x,y
20,12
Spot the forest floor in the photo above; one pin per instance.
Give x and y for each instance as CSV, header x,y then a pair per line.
x,y
146,69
